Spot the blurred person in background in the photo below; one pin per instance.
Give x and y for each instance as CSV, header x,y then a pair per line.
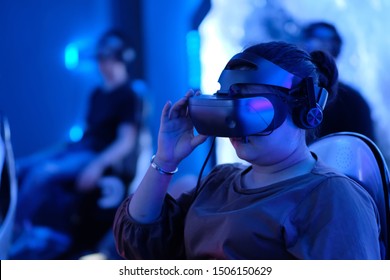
x,y
113,123
349,111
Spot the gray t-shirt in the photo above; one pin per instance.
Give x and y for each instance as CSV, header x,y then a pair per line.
x,y
320,215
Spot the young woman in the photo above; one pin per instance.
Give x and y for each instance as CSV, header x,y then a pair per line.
x,y
286,205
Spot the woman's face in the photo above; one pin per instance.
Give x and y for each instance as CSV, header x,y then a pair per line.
x,y
271,148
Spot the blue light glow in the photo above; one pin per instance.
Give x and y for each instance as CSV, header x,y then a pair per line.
x,y
76,133
193,50
71,56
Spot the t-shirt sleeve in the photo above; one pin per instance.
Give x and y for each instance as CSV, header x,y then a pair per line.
x,y
337,220
162,239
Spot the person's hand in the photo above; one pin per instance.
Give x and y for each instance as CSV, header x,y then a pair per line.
x,y
89,177
176,138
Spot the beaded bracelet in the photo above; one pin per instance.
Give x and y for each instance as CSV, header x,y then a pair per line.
x,y
159,169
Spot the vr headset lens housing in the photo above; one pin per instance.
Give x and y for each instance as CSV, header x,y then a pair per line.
x,y
230,117
226,115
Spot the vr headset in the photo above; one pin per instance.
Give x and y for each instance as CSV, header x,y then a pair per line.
x,y
225,114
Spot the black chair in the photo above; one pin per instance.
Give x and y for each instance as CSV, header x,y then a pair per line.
x,y
8,189
358,157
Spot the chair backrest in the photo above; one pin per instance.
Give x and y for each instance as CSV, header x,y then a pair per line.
x,y
359,158
8,190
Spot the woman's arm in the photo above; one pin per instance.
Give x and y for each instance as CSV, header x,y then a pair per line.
x,y
176,140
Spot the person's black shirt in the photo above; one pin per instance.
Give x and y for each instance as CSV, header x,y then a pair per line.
x,y
106,112
348,112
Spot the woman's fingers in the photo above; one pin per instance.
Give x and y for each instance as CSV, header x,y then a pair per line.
x,y
166,110
179,109
190,93
199,139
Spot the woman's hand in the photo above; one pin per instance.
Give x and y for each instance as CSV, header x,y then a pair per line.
x,y
176,139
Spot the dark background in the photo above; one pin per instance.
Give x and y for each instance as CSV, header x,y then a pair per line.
x,y
43,99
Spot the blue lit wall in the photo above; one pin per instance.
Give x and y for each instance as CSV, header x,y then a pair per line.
x,y
42,98
166,28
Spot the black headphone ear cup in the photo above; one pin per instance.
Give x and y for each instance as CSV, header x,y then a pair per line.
x,y
309,114
314,117
307,118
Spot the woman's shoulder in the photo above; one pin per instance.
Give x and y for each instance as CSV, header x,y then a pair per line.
x,y
335,181
322,169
